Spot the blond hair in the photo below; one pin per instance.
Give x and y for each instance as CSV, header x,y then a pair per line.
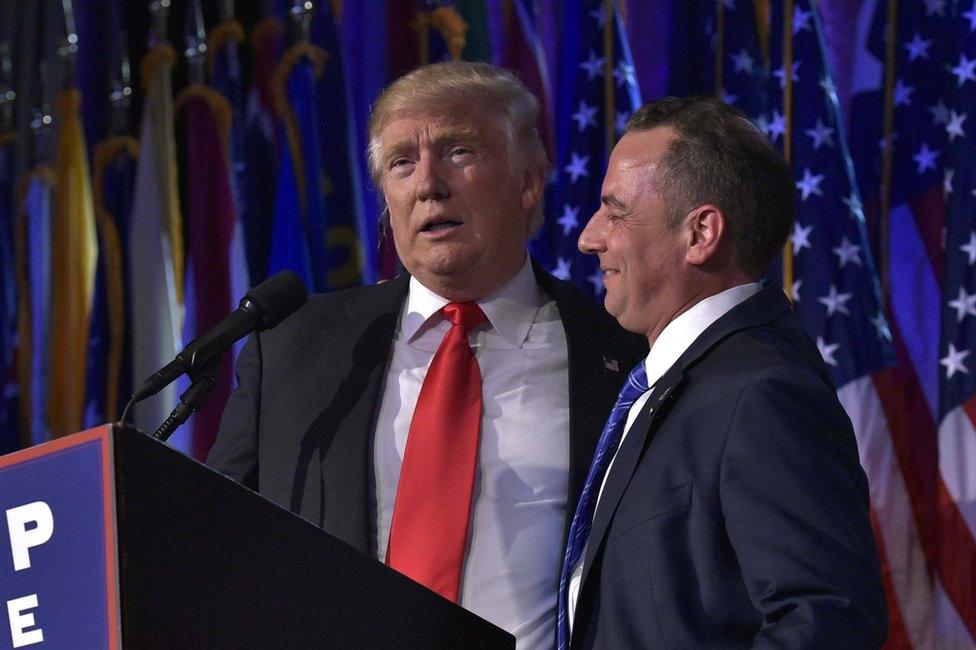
x,y
478,85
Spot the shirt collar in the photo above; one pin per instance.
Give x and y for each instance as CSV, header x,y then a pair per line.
x,y
510,310
680,333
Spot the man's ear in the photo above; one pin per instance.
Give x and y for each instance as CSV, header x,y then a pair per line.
x,y
706,229
533,180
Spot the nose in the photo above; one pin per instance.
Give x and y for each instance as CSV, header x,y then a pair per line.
x,y
591,239
431,184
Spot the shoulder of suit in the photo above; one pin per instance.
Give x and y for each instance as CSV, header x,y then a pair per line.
x,y
338,308
778,345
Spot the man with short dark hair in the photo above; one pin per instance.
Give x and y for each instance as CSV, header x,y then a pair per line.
x,y
725,505
442,421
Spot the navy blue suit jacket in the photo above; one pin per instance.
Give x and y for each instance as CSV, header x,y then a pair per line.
x,y
736,513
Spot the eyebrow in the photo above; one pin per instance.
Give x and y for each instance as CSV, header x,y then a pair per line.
x,y
440,138
611,201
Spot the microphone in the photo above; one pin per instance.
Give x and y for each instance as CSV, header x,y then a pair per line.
x,y
261,308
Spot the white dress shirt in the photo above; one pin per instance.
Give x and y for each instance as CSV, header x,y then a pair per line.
x,y
676,338
511,570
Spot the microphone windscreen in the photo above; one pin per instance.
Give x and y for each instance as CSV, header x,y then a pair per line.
x,y
278,297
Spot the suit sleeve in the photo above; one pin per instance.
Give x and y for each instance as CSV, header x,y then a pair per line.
x,y
235,451
795,502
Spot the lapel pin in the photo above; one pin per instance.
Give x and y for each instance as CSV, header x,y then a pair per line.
x,y
611,364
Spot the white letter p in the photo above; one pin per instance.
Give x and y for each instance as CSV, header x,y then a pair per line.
x,y
22,539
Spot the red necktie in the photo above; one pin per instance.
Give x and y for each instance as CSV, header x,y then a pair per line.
x,y
433,502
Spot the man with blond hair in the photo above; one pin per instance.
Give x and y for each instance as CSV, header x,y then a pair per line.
x,y
442,422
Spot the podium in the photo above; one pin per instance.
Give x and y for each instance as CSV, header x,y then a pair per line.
x,y
112,538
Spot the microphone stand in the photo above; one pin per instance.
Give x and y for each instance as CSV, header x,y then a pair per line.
x,y
191,401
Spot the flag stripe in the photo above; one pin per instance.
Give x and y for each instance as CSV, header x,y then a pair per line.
x,y
915,294
928,212
957,566
897,631
945,539
904,565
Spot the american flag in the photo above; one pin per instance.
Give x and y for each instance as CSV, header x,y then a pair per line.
x,y
740,73
922,159
831,276
956,607
597,95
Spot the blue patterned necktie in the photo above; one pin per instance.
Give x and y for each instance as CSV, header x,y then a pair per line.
x,y
634,387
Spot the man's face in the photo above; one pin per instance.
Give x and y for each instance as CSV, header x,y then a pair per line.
x,y
642,261
458,204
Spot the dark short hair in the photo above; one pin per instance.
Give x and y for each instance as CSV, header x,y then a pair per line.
x,y
720,157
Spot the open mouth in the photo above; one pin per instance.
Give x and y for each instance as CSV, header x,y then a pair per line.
x,y
440,225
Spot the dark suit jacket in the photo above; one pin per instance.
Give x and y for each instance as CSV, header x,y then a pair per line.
x,y
736,512
299,426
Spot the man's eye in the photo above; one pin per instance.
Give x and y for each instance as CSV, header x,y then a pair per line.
x,y
461,151
399,162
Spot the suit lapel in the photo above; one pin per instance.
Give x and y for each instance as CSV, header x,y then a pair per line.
x,y
641,432
340,436
761,308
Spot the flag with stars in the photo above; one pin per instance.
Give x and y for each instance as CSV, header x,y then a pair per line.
x,y
957,388
834,286
597,95
829,265
740,75
921,156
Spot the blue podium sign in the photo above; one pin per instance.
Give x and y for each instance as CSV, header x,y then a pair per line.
x,y
58,569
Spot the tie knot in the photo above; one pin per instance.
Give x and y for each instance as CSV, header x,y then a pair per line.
x,y
467,315
636,384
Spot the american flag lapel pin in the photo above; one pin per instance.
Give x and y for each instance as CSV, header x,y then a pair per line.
x,y
611,364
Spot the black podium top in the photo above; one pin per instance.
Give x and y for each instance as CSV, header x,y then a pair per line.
x,y
207,563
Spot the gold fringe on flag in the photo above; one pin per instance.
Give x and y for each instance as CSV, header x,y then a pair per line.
x,y
222,111
229,30
449,23
279,90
